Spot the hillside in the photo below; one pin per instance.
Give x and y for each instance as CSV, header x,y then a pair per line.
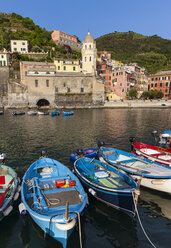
x,y
151,52
15,27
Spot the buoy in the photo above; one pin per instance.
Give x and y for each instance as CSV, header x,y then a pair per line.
x,y
22,209
72,183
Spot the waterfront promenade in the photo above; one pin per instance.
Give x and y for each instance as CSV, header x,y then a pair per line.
x,y
139,104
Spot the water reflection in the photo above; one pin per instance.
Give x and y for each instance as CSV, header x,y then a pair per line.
x,y
22,138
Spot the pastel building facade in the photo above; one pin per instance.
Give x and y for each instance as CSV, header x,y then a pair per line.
x,y
67,65
161,81
4,58
20,46
61,38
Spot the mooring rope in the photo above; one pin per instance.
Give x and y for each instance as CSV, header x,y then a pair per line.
x,y
136,209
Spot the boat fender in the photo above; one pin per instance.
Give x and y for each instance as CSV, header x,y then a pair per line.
x,y
22,209
66,186
8,211
72,183
16,196
92,191
67,226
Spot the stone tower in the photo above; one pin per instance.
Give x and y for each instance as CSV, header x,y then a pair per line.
x,y
89,55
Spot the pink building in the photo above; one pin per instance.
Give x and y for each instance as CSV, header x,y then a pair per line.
x,y
61,38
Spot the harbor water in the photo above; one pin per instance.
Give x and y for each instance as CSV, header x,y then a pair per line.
x,y
23,137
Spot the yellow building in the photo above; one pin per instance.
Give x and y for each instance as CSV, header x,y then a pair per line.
x,y
67,65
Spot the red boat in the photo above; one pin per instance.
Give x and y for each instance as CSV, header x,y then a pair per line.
x,y
154,153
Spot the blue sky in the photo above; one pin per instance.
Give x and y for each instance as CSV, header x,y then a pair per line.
x,y
147,17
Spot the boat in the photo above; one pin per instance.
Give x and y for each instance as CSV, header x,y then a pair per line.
x,y
154,153
90,153
18,113
153,175
54,198
54,113
67,113
107,184
9,188
162,138
42,113
31,113
1,112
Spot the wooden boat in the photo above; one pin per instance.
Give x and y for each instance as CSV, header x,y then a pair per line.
x,y
42,113
89,153
153,175
54,198
67,113
18,113
107,183
154,153
9,188
54,113
31,113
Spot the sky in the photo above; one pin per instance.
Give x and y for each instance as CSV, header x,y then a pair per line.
x,y
100,17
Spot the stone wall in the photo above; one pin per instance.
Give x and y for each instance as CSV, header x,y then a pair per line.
x,y
4,79
17,95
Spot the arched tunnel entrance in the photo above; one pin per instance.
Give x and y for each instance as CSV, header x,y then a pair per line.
x,y
43,103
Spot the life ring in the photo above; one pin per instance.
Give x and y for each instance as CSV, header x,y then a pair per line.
x,y
72,183
67,226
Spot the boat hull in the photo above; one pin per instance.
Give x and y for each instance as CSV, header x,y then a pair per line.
x,y
89,153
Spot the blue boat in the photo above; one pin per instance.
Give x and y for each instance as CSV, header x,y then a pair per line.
x,y
107,184
54,198
9,188
54,113
67,113
152,175
89,153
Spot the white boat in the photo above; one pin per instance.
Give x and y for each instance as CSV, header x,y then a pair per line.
x,y
152,175
32,113
42,113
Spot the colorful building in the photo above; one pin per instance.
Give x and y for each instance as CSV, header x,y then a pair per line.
x,y
161,81
20,46
61,38
4,58
67,65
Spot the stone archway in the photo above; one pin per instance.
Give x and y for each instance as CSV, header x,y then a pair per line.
x,y
43,103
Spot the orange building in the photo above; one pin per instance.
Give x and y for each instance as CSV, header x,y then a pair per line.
x,y
161,81
61,38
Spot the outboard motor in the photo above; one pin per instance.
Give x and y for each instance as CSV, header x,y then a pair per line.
x,y
101,143
132,140
80,152
2,157
43,153
155,134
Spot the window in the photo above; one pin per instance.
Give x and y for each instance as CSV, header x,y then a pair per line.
x,y
166,90
14,43
162,78
160,84
151,85
15,49
0,63
58,61
85,46
23,43
56,89
166,84
2,56
152,79
25,73
113,74
120,84
58,67
155,85
156,79
64,84
90,46
68,90
47,83
122,90
4,63
85,59
90,58
82,90
168,77
64,68
73,68
109,77
117,74
36,83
